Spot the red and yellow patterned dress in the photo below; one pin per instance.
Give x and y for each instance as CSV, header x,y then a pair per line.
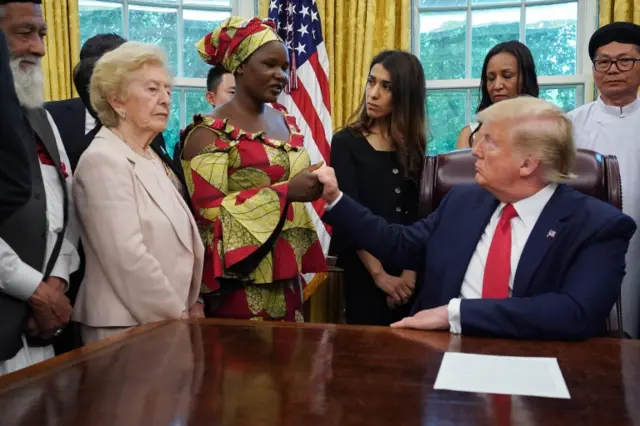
x,y
257,244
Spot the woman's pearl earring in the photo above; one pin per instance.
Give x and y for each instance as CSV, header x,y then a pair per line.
x,y
122,113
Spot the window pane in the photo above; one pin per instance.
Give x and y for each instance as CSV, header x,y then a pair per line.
x,y
491,27
484,2
156,25
474,96
156,2
172,132
213,3
442,3
551,34
446,112
197,24
564,97
442,44
98,17
196,104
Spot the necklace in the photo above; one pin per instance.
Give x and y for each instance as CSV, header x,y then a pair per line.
x,y
145,153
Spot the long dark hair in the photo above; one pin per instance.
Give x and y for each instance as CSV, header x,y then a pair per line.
x,y
527,78
407,122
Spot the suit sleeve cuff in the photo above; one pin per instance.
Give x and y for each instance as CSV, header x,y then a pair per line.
x,y
453,309
336,201
23,282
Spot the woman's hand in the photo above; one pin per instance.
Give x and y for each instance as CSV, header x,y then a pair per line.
x,y
305,186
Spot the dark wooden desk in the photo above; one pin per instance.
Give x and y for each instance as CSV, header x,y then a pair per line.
x,y
237,373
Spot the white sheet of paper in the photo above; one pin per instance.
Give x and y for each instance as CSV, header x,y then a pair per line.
x,y
507,375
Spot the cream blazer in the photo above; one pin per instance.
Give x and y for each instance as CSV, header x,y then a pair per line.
x,y
144,256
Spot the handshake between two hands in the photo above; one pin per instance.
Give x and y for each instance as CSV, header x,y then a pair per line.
x,y
320,181
312,183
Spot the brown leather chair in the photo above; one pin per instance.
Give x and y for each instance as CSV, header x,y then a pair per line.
x,y
596,175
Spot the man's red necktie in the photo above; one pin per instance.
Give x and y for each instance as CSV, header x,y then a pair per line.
x,y
495,284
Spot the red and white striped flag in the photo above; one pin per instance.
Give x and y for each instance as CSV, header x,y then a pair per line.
x,y
307,98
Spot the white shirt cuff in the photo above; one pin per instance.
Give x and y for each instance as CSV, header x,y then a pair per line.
x,y
454,316
61,269
330,206
23,282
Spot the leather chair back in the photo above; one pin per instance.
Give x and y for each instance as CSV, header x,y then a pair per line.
x,y
596,175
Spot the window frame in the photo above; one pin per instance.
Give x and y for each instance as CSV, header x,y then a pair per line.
x,y
587,23
182,85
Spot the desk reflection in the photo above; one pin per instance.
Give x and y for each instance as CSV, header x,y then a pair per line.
x,y
131,385
267,376
235,373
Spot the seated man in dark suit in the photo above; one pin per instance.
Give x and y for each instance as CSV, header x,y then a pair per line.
x,y
519,255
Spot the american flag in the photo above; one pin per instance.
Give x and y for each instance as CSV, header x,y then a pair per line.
x,y
307,97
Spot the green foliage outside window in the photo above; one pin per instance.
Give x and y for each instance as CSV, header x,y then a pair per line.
x,y
159,26
443,54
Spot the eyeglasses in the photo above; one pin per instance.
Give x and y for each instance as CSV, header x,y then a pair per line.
x,y
623,64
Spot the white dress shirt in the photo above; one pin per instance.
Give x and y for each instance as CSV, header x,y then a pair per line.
x,y
529,210
612,130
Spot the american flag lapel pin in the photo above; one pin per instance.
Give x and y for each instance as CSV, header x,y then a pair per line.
x,y
551,233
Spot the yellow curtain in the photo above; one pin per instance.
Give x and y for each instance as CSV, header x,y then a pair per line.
x,y
354,31
63,48
619,10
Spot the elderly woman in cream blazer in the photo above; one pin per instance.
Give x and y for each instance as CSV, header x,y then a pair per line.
x,y
143,251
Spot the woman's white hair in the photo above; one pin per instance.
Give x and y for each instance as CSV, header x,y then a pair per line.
x,y
540,129
113,72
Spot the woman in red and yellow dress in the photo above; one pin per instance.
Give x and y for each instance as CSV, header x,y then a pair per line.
x,y
248,176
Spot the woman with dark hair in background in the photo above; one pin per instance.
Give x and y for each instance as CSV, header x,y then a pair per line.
x,y
508,72
378,158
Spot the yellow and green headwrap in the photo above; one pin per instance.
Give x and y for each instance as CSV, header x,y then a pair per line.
x,y
235,40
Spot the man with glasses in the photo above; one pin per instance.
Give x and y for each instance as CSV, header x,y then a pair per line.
x,y
611,126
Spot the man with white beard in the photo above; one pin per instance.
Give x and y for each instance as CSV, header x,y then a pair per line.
x,y
38,242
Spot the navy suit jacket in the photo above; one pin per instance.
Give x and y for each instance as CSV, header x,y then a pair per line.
x,y
564,287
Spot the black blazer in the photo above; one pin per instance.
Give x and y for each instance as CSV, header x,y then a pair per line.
x,y
69,116
15,173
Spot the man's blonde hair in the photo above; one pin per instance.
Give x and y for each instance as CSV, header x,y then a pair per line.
x,y
539,129
113,72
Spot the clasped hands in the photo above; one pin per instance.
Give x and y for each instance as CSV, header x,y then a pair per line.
x,y
50,309
398,289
